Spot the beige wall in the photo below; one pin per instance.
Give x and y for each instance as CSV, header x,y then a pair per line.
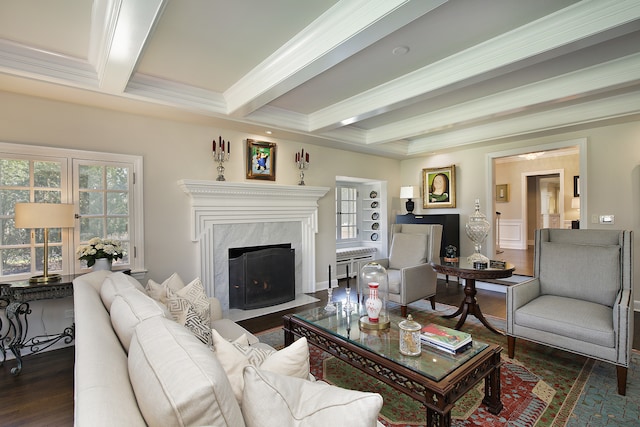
x,y
612,182
174,150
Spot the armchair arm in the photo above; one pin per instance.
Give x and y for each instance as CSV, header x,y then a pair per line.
x,y
518,295
623,325
417,282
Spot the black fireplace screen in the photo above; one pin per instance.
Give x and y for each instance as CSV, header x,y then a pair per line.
x,y
261,276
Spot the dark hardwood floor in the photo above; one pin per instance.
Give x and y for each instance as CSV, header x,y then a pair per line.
x,y
42,395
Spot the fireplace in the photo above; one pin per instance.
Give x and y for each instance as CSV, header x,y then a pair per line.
x,y
261,276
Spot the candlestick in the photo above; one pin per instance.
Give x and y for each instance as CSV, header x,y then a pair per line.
x,y
219,156
302,163
329,275
347,276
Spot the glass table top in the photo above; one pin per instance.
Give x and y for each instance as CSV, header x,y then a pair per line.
x,y
433,363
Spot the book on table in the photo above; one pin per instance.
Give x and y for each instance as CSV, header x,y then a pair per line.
x,y
444,338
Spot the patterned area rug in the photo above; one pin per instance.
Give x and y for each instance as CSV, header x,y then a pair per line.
x,y
541,386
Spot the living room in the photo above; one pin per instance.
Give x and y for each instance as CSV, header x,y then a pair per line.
x,y
175,145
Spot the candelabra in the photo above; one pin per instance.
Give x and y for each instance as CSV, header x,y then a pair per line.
x,y
220,156
302,162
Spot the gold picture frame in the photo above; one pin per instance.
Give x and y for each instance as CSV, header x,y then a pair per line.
x,y
261,160
502,193
439,187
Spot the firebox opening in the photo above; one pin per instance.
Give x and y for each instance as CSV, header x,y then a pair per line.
x,y
261,276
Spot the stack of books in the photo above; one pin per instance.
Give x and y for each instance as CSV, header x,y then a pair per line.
x,y
445,339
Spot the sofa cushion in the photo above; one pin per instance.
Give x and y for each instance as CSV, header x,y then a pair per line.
x,y
178,380
407,250
297,402
114,283
567,267
234,357
130,307
158,291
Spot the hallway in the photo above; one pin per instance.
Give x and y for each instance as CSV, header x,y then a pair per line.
x,y
521,258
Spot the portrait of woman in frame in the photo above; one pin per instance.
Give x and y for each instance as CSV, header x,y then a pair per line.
x,y
439,187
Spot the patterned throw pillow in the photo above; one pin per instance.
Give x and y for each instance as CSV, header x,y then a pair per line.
x,y
234,357
190,319
194,292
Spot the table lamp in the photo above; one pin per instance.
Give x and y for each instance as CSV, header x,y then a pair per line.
x,y
46,216
409,193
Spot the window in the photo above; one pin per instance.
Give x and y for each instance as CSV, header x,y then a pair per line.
x,y
347,213
103,188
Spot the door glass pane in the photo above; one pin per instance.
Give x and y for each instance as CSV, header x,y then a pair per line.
x,y
91,203
90,177
8,199
15,261
117,178
117,203
91,227
46,174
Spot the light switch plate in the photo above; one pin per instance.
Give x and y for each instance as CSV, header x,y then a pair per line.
x,y
607,219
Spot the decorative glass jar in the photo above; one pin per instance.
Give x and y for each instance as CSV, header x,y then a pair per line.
x,y
410,337
374,277
477,230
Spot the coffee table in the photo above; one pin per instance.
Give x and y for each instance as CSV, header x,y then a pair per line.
x,y
435,378
469,304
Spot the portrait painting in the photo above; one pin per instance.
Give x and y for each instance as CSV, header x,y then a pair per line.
x,y
439,187
261,160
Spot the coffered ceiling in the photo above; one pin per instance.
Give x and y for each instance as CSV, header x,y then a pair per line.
x,y
398,78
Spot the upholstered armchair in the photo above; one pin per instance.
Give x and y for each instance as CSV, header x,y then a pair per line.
x,y
580,298
411,277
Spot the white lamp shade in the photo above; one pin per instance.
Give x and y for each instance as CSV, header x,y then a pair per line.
x,y
44,215
408,192
575,203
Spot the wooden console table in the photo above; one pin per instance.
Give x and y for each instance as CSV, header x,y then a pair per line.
x,y
14,299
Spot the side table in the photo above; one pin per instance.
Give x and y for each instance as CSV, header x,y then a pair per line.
x,y
15,298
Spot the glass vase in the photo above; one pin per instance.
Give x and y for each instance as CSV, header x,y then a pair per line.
x,y
477,229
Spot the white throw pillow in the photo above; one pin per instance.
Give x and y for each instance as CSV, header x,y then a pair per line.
x,y
177,380
234,357
130,307
159,291
407,250
296,402
114,283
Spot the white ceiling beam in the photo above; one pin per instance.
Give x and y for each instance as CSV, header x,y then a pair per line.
x,y
120,29
574,23
570,86
572,115
346,28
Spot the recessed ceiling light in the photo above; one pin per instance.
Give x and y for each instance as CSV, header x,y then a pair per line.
x,y
268,132
400,50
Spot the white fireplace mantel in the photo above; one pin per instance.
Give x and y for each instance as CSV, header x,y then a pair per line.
x,y
217,203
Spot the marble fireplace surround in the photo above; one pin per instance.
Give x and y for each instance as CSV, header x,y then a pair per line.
x,y
235,214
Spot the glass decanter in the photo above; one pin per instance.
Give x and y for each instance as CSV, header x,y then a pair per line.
x,y
477,230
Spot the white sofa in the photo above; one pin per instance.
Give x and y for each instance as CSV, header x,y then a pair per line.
x,y
135,366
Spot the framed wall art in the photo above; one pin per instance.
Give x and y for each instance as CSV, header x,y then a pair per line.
x,y
502,193
576,186
261,160
439,187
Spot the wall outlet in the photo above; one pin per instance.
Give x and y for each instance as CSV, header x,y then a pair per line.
x,y
68,314
594,219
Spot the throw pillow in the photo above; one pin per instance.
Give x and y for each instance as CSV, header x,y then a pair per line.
x,y
190,319
407,250
296,402
177,380
159,291
191,295
234,357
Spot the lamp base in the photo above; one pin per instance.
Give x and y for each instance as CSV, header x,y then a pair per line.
x,y
45,279
410,205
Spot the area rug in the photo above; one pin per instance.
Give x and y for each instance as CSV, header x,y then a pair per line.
x,y
541,386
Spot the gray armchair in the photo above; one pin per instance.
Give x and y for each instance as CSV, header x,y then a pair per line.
x,y
581,297
411,277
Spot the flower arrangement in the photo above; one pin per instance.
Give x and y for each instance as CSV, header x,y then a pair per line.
x,y
100,248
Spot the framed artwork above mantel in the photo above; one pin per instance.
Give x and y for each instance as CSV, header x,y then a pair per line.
x,y
261,160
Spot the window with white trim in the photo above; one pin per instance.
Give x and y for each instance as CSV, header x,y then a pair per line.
x,y
107,200
347,213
